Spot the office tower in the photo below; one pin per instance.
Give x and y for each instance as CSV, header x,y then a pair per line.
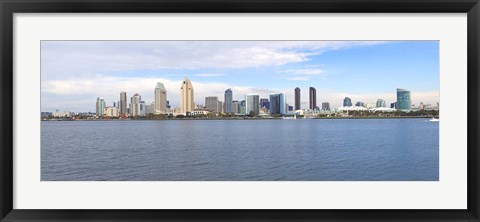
x,y
211,103
264,103
381,103
100,106
160,99
228,101
278,104
123,103
241,107
359,103
135,105
325,106
220,106
114,104
313,98
347,102
393,105
422,107
403,100
252,104
186,96
148,109
297,98
235,107
290,108
142,108
111,111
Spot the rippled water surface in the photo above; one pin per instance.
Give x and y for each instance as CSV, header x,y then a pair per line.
x,y
240,150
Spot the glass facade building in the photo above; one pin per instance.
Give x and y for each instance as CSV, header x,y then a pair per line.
x,y
228,101
347,102
278,104
403,100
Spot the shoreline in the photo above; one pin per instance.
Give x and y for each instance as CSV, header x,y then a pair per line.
x,y
274,118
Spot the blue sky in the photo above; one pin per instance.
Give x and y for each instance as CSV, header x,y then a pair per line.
x,y
75,73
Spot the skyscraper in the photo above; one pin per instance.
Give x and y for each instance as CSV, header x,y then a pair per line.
x,y
347,101
297,98
235,107
228,101
220,106
100,106
241,107
135,105
359,103
403,100
252,104
211,103
186,96
160,99
381,103
313,98
325,106
278,104
123,103
142,108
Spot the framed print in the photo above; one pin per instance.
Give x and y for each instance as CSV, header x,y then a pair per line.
x,y
256,111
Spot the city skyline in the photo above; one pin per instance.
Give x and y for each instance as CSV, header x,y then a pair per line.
x,y
302,64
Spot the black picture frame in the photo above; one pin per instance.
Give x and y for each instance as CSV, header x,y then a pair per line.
x,y
9,7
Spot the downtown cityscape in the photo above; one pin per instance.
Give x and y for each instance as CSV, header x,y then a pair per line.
x,y
252,106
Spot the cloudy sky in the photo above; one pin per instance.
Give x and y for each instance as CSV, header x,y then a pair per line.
x,y
75,73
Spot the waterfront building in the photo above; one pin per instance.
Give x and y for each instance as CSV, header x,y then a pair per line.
x,y
313,98
100,106
211,103
62,114
347,102
252,103
186,96
160,98
403,100
123,103
228,101
290,108
278,104
135,105
359,103
142,108
235,106
297,98
148,109
422,107
220,106
393,105
264,103
111,111
241,107
381,103
325,106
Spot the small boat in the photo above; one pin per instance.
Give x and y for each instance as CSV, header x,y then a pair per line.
x,y
433,119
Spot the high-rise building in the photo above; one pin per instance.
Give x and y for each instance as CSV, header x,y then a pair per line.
x,y
422,107
110,111
252,103
278,104
297,98
264,103
313,98
160,94
135,105
186,96
100,106
381,103
211,103
241,107
220,106
228,101
347,102
359,103
403,100
235,106
142,108
325,106
123,103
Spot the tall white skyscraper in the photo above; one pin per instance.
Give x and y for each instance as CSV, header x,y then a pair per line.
x,y
100,106
186,96
135,105
160,99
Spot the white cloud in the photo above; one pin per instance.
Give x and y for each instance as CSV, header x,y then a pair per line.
x,y
209,75
307,72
